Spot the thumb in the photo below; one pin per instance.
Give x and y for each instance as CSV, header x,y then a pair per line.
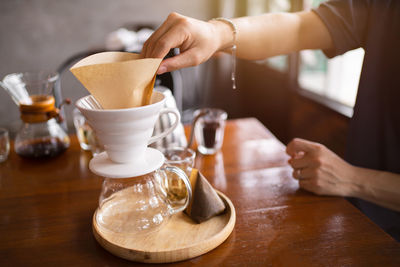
x,y
298,145
188,58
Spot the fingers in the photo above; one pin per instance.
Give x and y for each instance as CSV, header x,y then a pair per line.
x,y
300,163
304,164
301,152
186,59
296,174
162,69
151,43
306,161
194,38
171,34
173,38
300,145
307,181
306,173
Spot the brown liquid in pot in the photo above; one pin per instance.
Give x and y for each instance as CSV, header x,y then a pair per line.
x,y
41,148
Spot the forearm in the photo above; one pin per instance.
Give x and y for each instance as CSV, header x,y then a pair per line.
x,y
273,34
382,188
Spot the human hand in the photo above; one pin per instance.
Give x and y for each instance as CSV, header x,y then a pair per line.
x,y
196,39
319,170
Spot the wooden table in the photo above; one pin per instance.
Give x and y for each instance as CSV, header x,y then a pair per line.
x,y
46,210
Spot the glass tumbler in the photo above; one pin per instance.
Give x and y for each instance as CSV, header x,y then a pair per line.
x,y
86,136
209,130
182,158
4,144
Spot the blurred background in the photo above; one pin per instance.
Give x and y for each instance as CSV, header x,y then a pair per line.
x,y
298,95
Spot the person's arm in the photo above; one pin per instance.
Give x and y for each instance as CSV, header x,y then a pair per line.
x,y
321,171
274,34
258,37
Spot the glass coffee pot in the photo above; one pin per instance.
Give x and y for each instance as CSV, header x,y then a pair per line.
x,y
142,204
40,135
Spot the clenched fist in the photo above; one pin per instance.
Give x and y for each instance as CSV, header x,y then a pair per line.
x,y
319,170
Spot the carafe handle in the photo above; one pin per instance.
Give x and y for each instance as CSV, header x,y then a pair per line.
x,y
182,175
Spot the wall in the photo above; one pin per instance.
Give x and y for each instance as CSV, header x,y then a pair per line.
x,y
261,92
39,35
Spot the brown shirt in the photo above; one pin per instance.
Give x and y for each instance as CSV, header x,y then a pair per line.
x,y
374,137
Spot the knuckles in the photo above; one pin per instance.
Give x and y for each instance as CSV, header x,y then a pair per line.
x,y
318,148
174,15
162,45
296,140
317,161
178,19
290,148
184,22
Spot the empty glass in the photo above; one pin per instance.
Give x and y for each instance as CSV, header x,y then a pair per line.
x,y
209,130
4,144
181,157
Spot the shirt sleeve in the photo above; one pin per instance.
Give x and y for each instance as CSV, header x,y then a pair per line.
x,y
347,23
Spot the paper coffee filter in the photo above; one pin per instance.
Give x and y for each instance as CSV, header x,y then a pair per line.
x,y
118,79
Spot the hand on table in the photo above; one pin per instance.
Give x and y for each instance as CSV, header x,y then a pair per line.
x,y
196,39
319,170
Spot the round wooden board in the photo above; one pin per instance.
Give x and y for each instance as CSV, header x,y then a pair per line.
x,y
180,239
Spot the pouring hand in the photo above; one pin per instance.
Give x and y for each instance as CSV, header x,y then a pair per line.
x,y
197,41
319,170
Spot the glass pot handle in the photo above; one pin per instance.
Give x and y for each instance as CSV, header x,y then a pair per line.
x,y
182,175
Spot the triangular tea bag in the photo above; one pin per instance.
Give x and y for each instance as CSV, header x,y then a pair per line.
x,y
205,202
118,79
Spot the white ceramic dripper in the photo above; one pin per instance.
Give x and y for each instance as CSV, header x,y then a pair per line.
x,y
125,135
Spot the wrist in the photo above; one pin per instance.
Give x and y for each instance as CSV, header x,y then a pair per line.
x,y
356,185
225,34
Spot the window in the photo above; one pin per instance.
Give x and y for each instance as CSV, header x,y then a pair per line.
x,y
335,80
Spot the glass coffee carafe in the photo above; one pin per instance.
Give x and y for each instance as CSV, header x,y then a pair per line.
x,y
40,135
142,204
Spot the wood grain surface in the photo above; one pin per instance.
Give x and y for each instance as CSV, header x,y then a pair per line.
x,y
180,239
46,210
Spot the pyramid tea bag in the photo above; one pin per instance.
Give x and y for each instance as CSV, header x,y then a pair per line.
x,y
118,79
205,201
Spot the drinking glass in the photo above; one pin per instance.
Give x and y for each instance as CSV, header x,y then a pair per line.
x,y
86,136
209,130
4,144
183,158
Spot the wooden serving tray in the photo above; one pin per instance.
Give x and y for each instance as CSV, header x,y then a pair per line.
x,y
180,239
